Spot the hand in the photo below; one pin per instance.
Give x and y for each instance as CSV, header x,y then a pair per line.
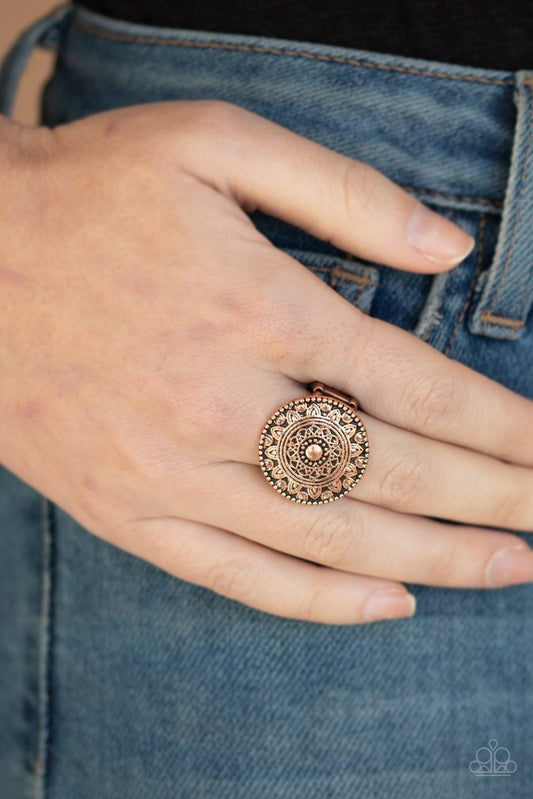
x,y
149,330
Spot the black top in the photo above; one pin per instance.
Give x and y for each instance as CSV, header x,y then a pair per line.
x,y
495,34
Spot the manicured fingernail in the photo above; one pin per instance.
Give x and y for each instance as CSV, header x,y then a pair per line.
x,y
389,604
437,238
510,565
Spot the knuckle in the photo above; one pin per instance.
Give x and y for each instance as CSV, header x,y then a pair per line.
x,y
404,477
359,188
360,358
317,603
231,578
515,432
513,508
208,120
434,402
199,128
328,539
294,340
284,341
444,564
283,337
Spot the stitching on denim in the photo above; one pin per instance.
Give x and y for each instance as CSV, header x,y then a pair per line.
x,y
477,272
127,37
453,197
526,287
40,765
504,272
338,273
501,321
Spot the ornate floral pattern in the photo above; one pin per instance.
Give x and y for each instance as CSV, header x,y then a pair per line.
x,y
314,449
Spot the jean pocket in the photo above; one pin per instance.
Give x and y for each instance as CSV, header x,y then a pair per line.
x,y
353,280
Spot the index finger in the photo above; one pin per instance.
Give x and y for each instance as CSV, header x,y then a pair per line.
x,y
330,195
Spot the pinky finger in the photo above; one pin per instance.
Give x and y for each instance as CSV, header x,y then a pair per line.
x,y
261,577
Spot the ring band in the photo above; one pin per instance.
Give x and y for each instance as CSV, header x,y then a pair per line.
x,y
314,449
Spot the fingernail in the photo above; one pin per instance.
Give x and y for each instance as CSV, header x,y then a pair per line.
x,y
437,238
510,565
389,604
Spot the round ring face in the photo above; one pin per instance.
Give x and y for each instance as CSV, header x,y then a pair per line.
x,y
313,450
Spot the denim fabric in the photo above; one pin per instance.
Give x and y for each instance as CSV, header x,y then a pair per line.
x,y
118,680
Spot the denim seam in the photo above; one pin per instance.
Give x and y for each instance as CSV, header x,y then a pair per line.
x,y
529,83
435,312
429,331
97,31
479,264
40,766
487,316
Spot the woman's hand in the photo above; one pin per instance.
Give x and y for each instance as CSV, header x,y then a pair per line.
x,y
148,331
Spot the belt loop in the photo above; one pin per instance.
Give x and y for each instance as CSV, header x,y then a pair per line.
x,y
507,291
45,30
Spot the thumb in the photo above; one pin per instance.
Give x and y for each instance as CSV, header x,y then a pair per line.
x,y
265,166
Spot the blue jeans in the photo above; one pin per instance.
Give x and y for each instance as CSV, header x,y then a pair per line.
x,y
118,680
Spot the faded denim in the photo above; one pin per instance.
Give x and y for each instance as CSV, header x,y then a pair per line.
x,y
118,680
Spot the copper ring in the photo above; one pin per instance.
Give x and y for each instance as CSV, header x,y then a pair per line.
x,y
314,449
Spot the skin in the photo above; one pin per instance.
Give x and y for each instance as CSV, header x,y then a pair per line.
x,y
148,331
